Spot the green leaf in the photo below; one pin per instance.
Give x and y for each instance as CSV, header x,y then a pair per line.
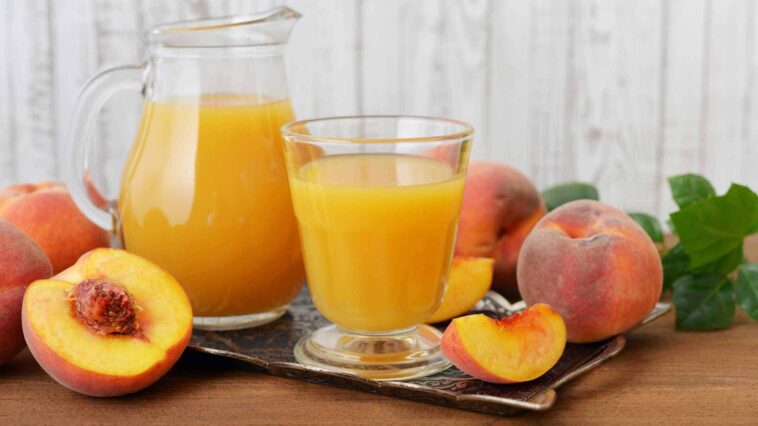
x,y
723,265
676,264
671,226
712,228
703,302
747,289
689,188
564,193
650,224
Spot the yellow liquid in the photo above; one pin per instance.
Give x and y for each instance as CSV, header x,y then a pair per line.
x,y
377,234
205,196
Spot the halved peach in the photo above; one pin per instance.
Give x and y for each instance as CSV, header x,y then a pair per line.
x,y
111,324
470,279
515,349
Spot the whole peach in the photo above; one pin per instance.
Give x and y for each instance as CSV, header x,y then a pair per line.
x,y
21,262
500,206
47,213
594,265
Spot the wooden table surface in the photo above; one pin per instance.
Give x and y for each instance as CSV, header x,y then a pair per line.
x,y
661,377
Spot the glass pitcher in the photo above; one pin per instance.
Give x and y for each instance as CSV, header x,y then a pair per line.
x,y
204,192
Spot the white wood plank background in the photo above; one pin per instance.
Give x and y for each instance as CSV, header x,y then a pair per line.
x,y
618,93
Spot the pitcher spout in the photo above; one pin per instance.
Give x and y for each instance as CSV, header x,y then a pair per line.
x,y
272,27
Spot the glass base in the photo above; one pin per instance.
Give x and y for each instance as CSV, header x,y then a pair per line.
x,y
402,355
238,322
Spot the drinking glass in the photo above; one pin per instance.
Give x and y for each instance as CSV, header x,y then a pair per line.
x,y
377,200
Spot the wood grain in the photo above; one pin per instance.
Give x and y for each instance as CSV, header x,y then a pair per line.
x,y
30,89
622,94
551,42
381,64
327,65
682,93
508,115
615,102
661,377
116,25
730,31
464,56
7,156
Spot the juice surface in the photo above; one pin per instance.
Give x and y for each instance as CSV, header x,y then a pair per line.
x,y
377,234
205,196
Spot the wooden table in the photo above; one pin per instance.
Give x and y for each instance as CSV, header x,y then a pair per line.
x,y
661,377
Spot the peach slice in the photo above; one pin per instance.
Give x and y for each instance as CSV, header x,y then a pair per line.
x,y
111,324
515,349
470,279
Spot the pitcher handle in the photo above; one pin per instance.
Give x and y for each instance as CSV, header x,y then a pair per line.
x,y
93,96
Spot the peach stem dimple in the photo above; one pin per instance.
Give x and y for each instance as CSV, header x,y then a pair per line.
x,y
105,307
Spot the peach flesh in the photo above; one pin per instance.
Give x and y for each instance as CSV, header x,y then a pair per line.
x,y
514,349
106,354
470,279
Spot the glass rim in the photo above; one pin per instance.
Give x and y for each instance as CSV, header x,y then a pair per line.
x,y
290,130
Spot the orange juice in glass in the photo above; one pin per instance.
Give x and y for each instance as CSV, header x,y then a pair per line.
x,y
377,200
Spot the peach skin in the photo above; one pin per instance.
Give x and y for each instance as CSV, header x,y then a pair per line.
x,y
110,325
500,206
594,265
515,349
47,213
21,262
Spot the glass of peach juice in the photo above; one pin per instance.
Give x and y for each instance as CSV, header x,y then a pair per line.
x,y
377,200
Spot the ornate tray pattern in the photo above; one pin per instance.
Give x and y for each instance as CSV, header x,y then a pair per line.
x,y
269,349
